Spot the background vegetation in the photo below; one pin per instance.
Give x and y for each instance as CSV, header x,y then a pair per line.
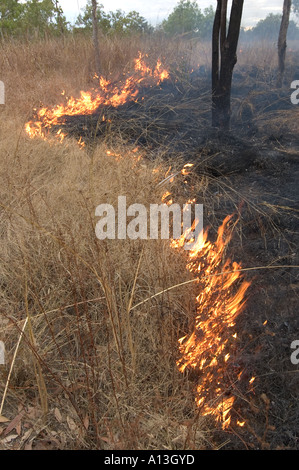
x,y
45,17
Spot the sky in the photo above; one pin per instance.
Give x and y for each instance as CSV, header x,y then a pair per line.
x,y
155,11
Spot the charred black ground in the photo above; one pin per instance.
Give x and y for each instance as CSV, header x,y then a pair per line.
x,y
255,166
176,114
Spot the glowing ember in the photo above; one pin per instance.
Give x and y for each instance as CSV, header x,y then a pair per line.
x,y
108,94
186,169
211,344
166,198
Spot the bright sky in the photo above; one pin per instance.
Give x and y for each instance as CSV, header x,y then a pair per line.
x,y
157,10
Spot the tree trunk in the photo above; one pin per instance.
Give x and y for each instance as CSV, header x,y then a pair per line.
x,y
224,58
282,40
95,35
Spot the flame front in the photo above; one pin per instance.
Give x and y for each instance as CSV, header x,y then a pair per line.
x,y
212,343
108,94
221,292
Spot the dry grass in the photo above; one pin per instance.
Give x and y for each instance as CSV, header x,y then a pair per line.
x,y
39,71
90,371
95,360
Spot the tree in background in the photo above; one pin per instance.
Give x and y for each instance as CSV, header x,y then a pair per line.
x,y
84,19
34,17
38,16
112,22
282,40
224,58
268,29
184,18
95,37
128,24
62,24
10,16
187,17
206,24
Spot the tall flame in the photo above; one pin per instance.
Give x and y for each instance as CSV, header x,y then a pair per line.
x,y
107,94
220,299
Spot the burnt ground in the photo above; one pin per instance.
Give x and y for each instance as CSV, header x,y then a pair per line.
x,y
256,167
268,236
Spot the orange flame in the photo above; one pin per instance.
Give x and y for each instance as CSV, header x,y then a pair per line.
x,y
186,169
220,300
158,72
106,95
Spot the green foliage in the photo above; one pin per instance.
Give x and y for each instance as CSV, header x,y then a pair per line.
x,y
187,17
113,22
40,15
184,18
84,20
10,16
62,26
31,17
206,25
128,24
268,29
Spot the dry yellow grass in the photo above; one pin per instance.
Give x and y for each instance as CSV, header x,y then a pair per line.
x,y
90,371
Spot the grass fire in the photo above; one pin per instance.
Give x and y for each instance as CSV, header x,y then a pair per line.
x,y
107,94
216,301
132,341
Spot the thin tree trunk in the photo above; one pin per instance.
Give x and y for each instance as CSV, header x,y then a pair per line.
x,y
223,20
215,49
95,35
282,40
59,19
224,58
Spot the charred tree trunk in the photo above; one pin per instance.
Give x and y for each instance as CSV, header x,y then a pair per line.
x,y
224,58
95,36
282,40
